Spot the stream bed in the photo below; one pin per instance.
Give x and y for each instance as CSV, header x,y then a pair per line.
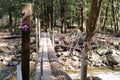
x,y
103,73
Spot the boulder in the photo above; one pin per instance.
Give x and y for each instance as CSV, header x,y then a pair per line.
x,y
33,56
67,53
75,58
58,54
5,74
93,78
113,57
1,50
95,60
101,52
13,63
76,64
3,44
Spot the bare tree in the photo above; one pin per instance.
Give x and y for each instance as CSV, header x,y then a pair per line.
x,y
92,26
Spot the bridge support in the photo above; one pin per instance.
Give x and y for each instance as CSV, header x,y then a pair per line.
x,y
26,24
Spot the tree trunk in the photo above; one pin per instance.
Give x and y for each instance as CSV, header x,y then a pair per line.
x,y
10,19
91,30
48,18
106,16
62,12
113,15
82,15
81,27
92,22
117,15
51,13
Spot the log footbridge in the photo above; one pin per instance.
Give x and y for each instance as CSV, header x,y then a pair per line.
x,y
47,65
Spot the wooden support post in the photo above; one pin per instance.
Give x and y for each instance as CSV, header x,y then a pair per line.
x,y
84,62
39,25
26,24
36,36
19,72
53,37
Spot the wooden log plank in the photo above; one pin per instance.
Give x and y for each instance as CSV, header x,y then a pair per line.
x,y
38,67
47,75
56,68
19,72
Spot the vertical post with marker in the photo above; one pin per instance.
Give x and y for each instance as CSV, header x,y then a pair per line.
x,y
25,28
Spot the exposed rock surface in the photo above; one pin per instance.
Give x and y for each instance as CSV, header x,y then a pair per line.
x,y
10,56
104,50
93,78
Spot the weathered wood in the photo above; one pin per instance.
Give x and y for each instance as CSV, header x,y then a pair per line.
x,y
26,24
47,75
56,68
38,67
43,70
39,25
36,36
10,36
83,75
19,72
15,36
48,67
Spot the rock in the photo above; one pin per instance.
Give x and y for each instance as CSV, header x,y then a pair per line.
x,y
95,60
115,43
8,58
97,64
117,47
94,45
93,78
5,74
18,55
71,68
33,56
76,53
13,63
118,65
1,50
15,58
66,53
58,49
3,44
58,54
1,58
10,46
19,59
75,58
5,62
102,52
76,64
113,57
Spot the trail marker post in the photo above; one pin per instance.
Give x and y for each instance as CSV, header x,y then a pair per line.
x,y
25,28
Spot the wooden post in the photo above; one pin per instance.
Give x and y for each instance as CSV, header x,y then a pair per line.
x,y
39,31
26,24
19,72
53,38
36,36
84,62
